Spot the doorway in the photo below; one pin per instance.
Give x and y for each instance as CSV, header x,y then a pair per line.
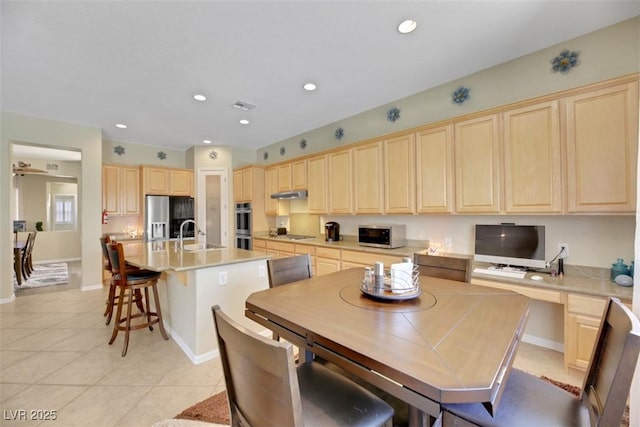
x,y
213,213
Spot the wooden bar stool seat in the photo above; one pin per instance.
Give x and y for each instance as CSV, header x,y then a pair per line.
x,y
112,299
129,282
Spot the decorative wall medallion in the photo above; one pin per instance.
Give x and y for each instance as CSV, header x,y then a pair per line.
x,y
339,133
460,95
282,151
303,144
565,61
213,154
393,114
265,155
162,155
119,150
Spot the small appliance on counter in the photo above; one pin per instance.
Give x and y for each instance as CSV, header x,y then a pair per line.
x,y
332,231
382,236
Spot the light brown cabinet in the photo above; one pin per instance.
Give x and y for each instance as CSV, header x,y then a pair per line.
x,y
121,190
327,260
399,175
270,187
532,159
477,161
299,175
318,185
367,178
280,249
582,318
340,175
248,184
434,170
602,149
166,181
284,177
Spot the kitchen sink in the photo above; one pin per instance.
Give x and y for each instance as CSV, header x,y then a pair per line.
x,y
196,247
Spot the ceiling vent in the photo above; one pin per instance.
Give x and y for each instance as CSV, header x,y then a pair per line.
x,y
243,105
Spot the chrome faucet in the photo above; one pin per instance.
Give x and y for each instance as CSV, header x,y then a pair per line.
x,y
186,221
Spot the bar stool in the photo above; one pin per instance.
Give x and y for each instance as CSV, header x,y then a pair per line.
x,y
112,299
128,282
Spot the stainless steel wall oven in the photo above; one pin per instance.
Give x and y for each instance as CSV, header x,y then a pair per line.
x,y
243,226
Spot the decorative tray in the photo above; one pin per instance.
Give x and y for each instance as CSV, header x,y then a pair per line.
x,y
388,295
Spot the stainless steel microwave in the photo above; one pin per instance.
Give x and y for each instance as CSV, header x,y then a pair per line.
x,y
382,236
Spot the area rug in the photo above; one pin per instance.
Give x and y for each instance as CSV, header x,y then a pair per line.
x,y
45,275
215,409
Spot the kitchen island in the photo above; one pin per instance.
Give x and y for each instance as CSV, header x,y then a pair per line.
x,y
193,281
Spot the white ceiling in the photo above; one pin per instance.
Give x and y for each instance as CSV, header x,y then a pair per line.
x,y
140,62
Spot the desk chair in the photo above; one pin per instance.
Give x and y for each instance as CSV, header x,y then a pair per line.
x,y
288,270
266,388
112,299
444,267
128,282
530,401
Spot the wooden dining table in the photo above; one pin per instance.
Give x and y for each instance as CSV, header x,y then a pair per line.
x,y
453,343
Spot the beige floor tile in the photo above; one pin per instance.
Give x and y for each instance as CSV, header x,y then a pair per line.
x,y
82,340
7,391
9,357
91,320
36,367
540,361
164,402
11,335
41,401
41,340
207,373
33,320
101,406
87,369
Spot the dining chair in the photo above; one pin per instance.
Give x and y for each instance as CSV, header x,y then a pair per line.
x,y
27,262
444,267
530,401
127,282
112,298
287,270
266,388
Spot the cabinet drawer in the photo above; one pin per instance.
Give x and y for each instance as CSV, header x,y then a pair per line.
x,y
586,305
533,293
305,249
259,243
323,252
281,246
368,258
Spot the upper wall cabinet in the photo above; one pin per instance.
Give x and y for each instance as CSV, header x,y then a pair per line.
x,y
399,175
434,170
602,147
299,175
318,184
121,190
368,178
532,159
340,174
249,185
477,161
270,187
166,181
284,177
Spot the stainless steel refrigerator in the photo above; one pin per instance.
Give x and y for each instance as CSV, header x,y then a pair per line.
x,y
163,216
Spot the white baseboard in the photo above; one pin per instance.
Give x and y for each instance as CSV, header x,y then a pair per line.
x,y
92,287
541,342
195,359
8,300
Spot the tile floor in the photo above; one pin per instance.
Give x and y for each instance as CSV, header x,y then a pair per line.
x,y
55,357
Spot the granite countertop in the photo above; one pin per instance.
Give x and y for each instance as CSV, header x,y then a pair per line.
x,y
163,255
578,279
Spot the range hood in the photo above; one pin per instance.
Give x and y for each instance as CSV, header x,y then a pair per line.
x,y
298,194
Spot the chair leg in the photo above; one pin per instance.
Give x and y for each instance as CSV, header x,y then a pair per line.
x,y
110,299
127,329
149,314
159,312
139,302
116,324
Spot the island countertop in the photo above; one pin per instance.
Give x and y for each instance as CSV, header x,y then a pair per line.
x,y
163,255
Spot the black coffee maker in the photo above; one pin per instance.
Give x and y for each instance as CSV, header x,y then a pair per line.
x,y
332,231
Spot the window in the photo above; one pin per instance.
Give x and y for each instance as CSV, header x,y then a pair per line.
x,y
64,211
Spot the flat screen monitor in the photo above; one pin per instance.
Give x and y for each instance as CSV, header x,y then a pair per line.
x,y
511,245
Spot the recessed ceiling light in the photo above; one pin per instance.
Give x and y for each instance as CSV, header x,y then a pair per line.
x,y
207,141
309,87
121,126
407,26
199,97
244,122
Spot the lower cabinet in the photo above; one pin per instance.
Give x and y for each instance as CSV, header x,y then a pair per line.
x,y
260,245
327,260
280,249
582,321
